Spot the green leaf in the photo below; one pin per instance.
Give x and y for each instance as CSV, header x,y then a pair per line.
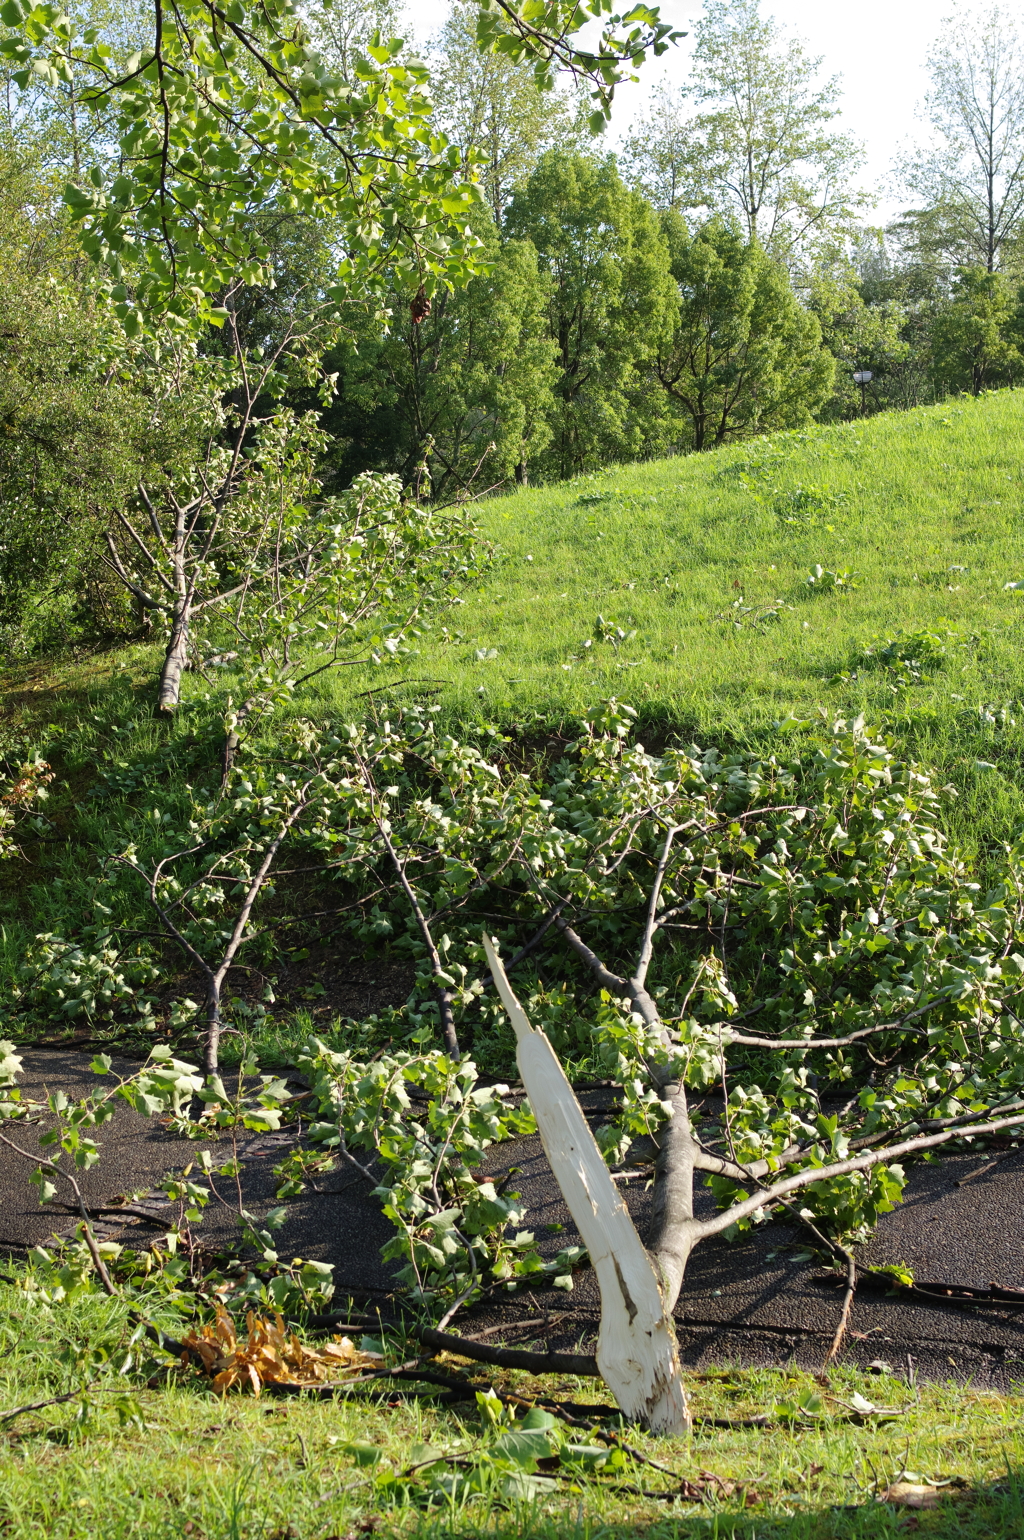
x,y
525,1446
13,13
362,1452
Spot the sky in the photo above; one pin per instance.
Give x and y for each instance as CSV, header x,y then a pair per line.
x,y
878,47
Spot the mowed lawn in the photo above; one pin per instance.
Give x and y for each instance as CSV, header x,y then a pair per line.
x,y
702,562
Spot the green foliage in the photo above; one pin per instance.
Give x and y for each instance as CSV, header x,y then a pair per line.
x,y
82,422
610,303
743,356
63,980
290,583
971,337
805,506
823,581
428,1124
503,1465
467,387
173,227
543,34
171,1276
828,862
871,320
911,658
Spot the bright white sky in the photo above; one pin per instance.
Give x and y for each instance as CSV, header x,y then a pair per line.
x,y
878,47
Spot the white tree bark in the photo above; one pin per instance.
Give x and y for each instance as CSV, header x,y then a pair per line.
x,y
636,1349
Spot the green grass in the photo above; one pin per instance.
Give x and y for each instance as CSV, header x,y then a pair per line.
x,y
183,1462
925,507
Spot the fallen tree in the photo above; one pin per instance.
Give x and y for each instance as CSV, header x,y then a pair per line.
x,y
788,939
836,914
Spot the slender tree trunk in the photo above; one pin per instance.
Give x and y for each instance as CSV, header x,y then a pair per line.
x,y
175,658
671,1234
213,1024
699,427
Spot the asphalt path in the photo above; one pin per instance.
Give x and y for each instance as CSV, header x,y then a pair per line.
x,y
757,1300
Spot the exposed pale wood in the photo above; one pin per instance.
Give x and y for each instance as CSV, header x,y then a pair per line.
x,y
636,1349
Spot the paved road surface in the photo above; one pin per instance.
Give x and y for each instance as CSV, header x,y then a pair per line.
x,y
752,1301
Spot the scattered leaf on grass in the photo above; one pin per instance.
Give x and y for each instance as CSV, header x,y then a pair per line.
x,y
708,1485
271,1355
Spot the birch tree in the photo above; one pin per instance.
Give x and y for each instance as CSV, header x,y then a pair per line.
x,y
969,180
750,135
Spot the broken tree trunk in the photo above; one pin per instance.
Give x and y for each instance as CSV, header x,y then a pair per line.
x,y
636,1349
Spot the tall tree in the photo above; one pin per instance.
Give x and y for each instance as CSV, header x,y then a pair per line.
x,y
657,153
492,108
611,302
970,177
972,336
744,356
343,29
469,384
762,149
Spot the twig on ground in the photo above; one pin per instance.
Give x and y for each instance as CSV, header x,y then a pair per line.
x,y
540,1320
87,1235
84,1390
844,1319
379,1379
983,1170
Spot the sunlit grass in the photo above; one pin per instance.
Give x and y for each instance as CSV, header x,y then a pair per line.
x,y
926,509
177,1460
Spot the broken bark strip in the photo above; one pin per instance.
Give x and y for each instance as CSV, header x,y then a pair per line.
x,y
548,1362
636,1349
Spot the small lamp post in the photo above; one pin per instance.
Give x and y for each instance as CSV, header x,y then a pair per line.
x,y
862,377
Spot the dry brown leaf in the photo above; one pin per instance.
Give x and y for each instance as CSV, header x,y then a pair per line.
x,y
708,1485
270,1355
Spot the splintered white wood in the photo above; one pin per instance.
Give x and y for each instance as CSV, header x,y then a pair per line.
x,y
636,1348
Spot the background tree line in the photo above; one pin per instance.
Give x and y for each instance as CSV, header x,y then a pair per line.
x,y
715,279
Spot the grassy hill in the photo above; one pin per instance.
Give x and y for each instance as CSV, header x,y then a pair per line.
x,y
681,587
703,562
